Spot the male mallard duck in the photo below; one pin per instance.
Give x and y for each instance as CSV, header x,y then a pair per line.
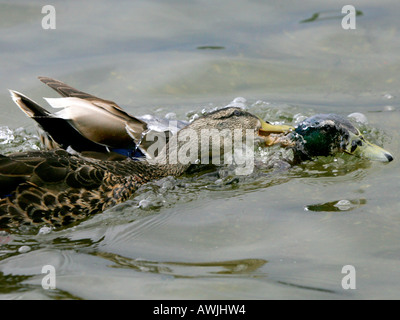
x,y
58,188
327,134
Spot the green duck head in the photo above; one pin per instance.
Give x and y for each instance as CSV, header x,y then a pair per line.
x,y
327,134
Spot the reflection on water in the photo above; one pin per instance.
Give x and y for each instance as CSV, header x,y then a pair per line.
x,y
336,206
210,47
306,287
327,15
246,267
10,283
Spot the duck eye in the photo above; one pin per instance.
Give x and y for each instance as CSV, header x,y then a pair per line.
x,y
236,113
355,144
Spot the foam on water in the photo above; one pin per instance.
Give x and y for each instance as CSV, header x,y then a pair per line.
x,y
17,140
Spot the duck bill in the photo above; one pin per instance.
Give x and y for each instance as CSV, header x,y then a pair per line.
x,y
268,128
369,151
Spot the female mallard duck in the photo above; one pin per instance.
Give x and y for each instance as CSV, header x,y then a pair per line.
x,y
58,188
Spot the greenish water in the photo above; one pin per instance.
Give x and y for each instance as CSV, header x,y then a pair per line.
x,y
276,234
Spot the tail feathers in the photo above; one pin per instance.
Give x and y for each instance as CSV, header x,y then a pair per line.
x,y
28,106
58,132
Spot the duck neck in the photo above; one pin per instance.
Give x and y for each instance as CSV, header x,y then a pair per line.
x,y
147,171
177,155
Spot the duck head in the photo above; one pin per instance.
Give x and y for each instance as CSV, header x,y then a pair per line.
x,y
327,134
212,135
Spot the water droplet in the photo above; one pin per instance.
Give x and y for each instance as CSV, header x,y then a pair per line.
x,y
238,102
144,203
343,205
194,117
298,118
24,249
388,96
45,230
389,108
167,185
359,117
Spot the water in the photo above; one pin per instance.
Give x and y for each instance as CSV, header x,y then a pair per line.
x,y
278,233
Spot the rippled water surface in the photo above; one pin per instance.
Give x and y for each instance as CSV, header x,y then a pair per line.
x,y
279,233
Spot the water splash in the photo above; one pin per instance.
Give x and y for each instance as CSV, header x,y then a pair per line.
x,y
17,140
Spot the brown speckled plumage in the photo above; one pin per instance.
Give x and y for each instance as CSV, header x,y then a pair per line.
x,y
57,188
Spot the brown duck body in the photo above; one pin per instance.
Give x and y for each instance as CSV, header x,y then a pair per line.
x,y
57,188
